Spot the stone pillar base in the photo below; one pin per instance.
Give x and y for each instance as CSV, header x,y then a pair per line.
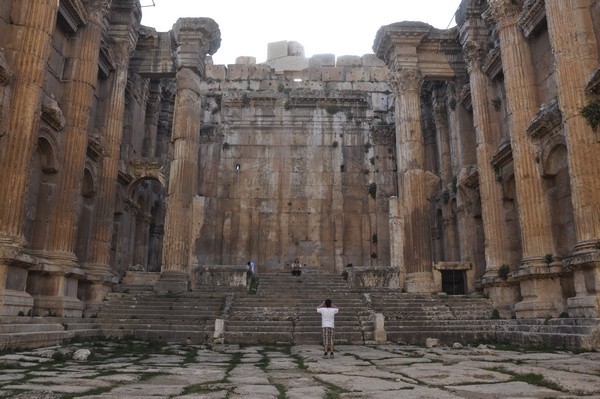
x,y
587,306
380,333
172,282
504,296
420,283
15,303
60,306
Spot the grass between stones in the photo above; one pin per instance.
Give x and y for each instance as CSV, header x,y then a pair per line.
x,y
529,378
333,391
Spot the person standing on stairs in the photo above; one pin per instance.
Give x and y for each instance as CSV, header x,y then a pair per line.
x,y
328,312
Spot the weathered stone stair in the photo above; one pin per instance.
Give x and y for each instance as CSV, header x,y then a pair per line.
x,y
284,311
411,318
34,332
187,318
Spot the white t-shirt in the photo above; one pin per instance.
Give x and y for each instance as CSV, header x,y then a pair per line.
x,y
327,315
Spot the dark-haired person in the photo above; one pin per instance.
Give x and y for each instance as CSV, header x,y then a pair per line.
x,y
328,312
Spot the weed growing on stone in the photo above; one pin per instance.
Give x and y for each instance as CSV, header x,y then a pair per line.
x,y
333,391
529,378
281,390
299,361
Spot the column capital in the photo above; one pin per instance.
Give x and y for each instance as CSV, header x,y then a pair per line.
x,y
503,12
96,10
195,38
406,79
474,54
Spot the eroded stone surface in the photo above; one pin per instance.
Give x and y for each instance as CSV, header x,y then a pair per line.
x,y
299,372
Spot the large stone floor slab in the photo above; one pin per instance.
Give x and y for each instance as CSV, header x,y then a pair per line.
x,y
138,370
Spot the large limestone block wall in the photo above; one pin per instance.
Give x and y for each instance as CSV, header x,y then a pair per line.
x,y
297,168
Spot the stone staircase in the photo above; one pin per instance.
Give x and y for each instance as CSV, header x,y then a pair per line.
x,y
284,311
34,332
187,318
411,318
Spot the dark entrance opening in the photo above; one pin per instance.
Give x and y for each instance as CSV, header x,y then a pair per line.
x,y
453,282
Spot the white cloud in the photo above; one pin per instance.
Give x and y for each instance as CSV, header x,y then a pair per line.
x,y
340,27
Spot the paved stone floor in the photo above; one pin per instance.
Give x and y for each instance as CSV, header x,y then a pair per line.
x,y
138,370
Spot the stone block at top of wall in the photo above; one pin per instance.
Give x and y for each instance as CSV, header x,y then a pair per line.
x,y
238,71
322,60
261,72
312,73
333,74
246,60
378,74
349,60
357,74
217,72
372,60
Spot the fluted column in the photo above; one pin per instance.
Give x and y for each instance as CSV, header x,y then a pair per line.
x,y
415,184
522,103
98,269
28,68
195,38
575,46
541,294
487,136
77,104
35,24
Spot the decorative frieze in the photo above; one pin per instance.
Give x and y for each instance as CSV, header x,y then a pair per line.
x,y
465,97
71,15
547,120
532,16
52,114
492,65
503,155
105,61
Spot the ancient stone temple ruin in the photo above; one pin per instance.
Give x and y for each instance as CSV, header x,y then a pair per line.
x,y
460,161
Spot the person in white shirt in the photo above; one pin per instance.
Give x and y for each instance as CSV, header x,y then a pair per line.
x,y
328,311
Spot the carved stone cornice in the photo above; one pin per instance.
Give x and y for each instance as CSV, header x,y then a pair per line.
x,y
52,114
406,79
532,16
492,66
401,34
105,60
95,149
593,82
71,15
546,121
503,155
465,97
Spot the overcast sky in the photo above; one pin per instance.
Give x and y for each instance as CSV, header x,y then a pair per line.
x,y
340,27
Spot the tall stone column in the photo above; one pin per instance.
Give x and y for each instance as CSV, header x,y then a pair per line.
x,y
99,276
33,23
58,265
195,38
415,184
541,292
575,46
397,240
503,294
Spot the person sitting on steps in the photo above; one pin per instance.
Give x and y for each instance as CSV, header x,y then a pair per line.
x,y
296,268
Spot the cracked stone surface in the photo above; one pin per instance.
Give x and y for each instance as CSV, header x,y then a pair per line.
x,y
139,370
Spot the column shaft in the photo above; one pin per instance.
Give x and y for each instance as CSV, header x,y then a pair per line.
x,y
522,106
17,147
77,104
183,178
571,22
109,166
